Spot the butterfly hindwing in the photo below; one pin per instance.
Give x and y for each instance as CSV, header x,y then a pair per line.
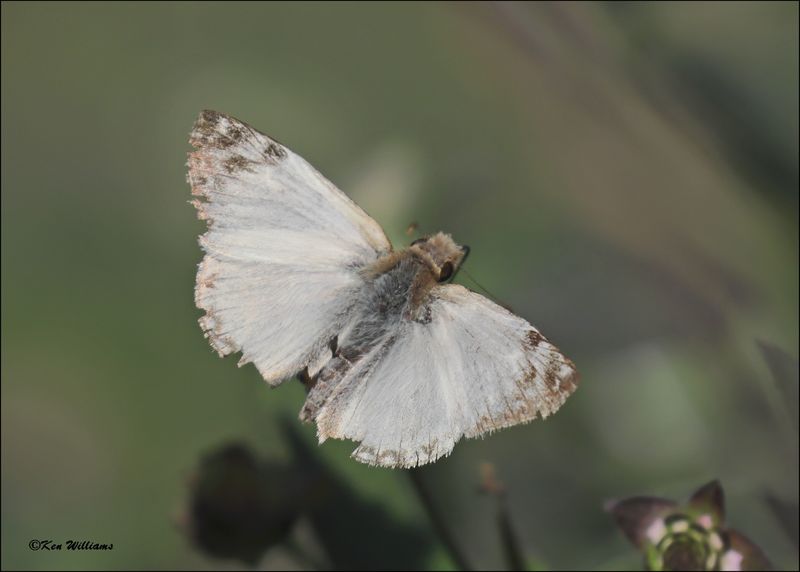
x,y
466,367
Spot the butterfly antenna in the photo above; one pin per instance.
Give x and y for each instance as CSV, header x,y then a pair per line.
x,y
486,291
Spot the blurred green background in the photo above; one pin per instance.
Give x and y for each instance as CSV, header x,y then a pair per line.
x,y
627,178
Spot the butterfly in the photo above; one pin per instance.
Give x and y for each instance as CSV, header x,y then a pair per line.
x,y
301,281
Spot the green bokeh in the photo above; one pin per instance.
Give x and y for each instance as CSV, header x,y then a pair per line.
x,y
625,175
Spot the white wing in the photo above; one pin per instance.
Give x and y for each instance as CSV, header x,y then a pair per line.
x,y
282,249
468,367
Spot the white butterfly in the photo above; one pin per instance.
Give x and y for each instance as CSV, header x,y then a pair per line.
x,y
303,282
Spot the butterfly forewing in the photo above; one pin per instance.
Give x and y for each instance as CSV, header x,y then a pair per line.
x,y
283,248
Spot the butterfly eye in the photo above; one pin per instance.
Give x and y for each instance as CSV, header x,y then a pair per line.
x,y
446,271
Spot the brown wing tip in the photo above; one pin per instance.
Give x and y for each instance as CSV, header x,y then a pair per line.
x,y
205,124
569,383
216,130
209,115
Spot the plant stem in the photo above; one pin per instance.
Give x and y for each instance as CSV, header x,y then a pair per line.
x,y
437,520
512,551
511,548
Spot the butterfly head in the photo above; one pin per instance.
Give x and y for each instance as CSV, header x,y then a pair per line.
x,y
442,254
